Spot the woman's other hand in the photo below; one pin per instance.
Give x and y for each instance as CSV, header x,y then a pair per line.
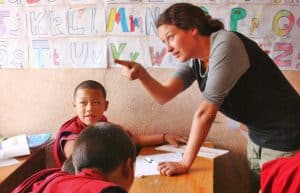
x,y
172,168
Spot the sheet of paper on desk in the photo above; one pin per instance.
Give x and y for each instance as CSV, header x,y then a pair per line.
x,y
203,152
8,162
144,167
14,146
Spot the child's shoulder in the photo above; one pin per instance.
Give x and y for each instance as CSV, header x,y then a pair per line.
x,y
70,121
73,125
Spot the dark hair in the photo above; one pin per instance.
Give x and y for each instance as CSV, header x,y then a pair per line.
x,y
90,84
103,146
186,16
68,166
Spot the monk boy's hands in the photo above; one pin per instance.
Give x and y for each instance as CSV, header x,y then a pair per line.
x,y
175,140
131,70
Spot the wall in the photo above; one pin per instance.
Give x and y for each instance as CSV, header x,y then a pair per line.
x,y
39,100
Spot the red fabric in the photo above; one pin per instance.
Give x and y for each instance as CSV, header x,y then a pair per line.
x,y
281,175
87,181
28,184
73,126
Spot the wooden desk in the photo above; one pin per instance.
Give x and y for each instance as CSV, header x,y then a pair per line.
x,y
200,179
12,176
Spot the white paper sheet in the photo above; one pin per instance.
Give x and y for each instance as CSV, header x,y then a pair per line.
x,y
14,146
146,165
203,152
8,162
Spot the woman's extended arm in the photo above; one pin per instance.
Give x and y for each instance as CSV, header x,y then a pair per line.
x,y
162,93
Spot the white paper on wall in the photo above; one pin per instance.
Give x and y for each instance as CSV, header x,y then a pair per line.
x,y
83,2
121,1
217,11
35,3
252,1
47,21
127,48
211,2
61,21
48,53
166,1
88,53
158,55
152,12
86,21
13,3
69,52
12,22
13,53
124,19
51,29
251,20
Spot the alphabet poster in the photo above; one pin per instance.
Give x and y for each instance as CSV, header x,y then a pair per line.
x,y
92,33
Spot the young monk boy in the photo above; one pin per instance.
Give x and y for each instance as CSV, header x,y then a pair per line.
x,y
89,104
104,160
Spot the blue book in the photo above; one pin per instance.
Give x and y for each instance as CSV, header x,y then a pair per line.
x,y
37,140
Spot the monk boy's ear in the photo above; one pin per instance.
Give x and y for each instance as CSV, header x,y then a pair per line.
x,y
106,105
128,168
74,105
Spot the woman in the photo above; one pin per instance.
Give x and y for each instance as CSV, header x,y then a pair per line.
x,y
235,77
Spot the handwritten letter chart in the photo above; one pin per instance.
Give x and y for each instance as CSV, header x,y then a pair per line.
x,y
91,33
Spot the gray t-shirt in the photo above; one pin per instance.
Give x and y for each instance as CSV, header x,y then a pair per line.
x,y
247,86
228,61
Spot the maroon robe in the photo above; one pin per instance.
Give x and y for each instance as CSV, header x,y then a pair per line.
x,y
281,175
87,181
73,126
27,185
